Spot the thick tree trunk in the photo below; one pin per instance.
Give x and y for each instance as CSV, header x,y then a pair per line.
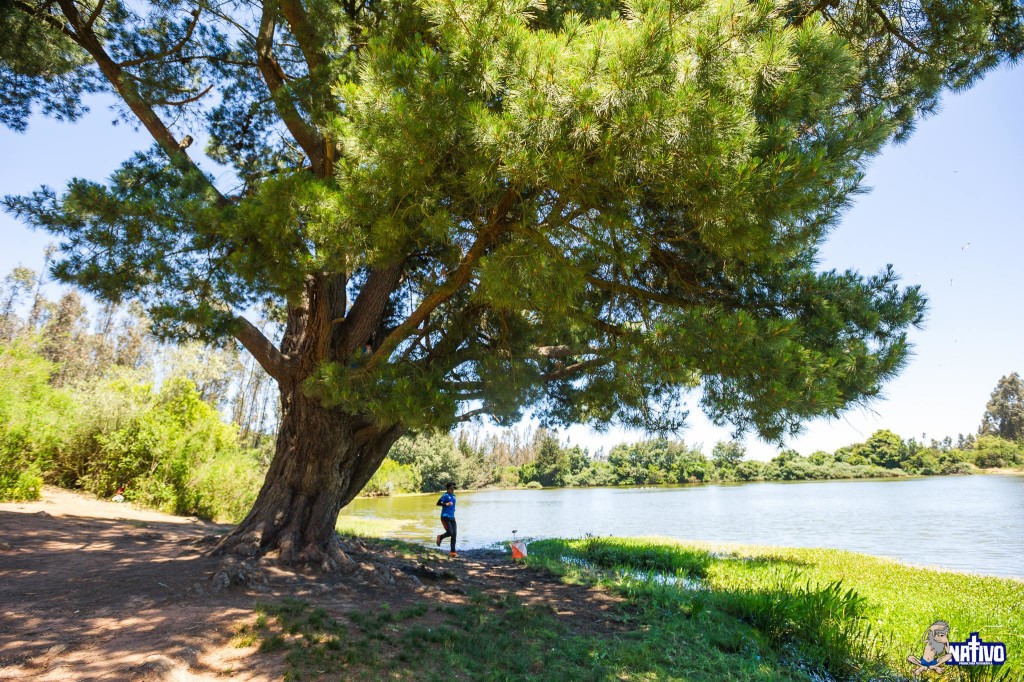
x,y
323,459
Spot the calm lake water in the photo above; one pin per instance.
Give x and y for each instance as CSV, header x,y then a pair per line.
x,y
968,523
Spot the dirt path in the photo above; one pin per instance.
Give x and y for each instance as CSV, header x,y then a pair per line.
x,y
92,590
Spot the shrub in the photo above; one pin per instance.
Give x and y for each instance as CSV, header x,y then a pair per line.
x,y
223,486
158,451
958,468
169,447
597,473
393,477
17,484
31,412
994,452
508,477
750,470
436,457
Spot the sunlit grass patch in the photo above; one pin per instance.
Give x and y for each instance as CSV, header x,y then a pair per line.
x,y
642,555
363,526
248,634
840,612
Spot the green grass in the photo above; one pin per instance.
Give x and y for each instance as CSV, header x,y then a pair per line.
x,y
691,612
849,614
369,527
500,638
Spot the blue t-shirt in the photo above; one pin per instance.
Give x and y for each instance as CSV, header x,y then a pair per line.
x,y
447,512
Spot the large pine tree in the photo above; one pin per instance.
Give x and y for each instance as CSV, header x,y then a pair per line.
x,y
475,207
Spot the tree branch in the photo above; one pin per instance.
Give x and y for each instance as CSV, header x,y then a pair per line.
x,y
164,53
577,368
369,306
277,364
606,327
95,13
892,28
819,6
305,35
645,294
183,102
554,351
142,109
466,416
451,285
273,75
562,351
53,21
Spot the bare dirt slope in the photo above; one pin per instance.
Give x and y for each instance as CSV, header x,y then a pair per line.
x,y
93,590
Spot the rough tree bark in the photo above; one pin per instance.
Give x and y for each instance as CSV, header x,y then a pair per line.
x,y
323,459
324,456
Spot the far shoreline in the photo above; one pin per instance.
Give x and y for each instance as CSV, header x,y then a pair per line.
x,y
696,484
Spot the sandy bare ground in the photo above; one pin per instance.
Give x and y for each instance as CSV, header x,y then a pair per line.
x,y
93,590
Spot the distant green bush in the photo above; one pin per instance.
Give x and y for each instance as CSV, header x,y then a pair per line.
x,y
436,458
393,477
534,485
993,452
508,477
955,468
597,473
789,466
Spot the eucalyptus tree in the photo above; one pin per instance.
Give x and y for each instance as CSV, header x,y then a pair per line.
x,y
1004,413
586,209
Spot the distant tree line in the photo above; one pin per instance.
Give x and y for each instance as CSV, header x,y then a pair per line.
x,y
511,458
541,459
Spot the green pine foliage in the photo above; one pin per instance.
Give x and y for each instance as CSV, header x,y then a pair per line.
x,y
588,209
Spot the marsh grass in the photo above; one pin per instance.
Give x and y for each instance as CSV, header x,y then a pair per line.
x,y
825,624
843,614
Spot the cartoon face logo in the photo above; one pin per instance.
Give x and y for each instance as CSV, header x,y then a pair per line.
x,y
936,641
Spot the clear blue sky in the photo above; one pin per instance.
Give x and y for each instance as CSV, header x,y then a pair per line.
x,y
946,209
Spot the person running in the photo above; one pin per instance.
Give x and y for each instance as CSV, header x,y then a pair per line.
x,y
447,505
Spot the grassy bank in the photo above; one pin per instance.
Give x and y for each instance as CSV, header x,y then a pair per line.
x,y
685,612
841,613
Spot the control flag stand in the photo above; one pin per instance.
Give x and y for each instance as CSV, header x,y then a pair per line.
x,y
518,547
